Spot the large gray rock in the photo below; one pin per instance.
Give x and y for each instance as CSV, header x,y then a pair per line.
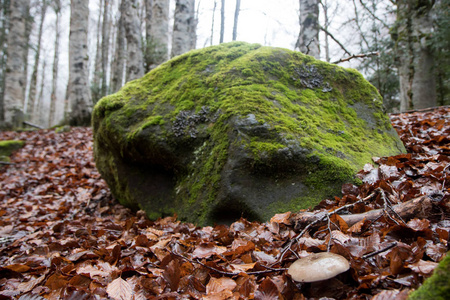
x,y
238,130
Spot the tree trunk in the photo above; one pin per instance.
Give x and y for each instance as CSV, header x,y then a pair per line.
x,y
14,93
119,57
31,106
96,80
160,32
28,28
415,63
135,60
308,39
327,22
193,26
4,19
148,20
236,17
79,94
184,20
222,22
106,26
39,111
57,9
212,23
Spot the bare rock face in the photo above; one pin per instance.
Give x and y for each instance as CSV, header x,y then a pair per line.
x,y
238,130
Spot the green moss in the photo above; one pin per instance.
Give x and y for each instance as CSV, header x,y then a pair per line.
x,y
8,147
299,100
437,287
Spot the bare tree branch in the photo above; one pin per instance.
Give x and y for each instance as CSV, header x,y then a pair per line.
x,y
373,15
334,39
356,56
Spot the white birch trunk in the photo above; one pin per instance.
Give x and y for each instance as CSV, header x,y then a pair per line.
x,y
308,39
79,94
184,20
135,60
160,31
14,93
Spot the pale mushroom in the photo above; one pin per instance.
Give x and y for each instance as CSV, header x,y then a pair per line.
x,y
318,266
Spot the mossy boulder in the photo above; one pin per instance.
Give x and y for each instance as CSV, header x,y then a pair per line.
x,y
8,147
238,130
437,287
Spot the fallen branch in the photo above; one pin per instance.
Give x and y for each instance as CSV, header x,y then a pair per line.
x,y
356,56
230,274
33,125
380,251
413,208
6,163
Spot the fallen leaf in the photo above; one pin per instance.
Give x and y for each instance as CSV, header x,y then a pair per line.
x,y
119,289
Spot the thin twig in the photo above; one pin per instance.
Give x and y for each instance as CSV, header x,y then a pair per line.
x,y
388,205
231,274
373,15
334,39
363,55
6,163
380,251
307,46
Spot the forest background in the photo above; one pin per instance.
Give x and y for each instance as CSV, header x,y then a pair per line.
x,y
401,46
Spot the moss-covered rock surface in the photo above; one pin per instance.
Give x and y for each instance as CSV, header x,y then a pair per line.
x,y
437,287
238,130
8,147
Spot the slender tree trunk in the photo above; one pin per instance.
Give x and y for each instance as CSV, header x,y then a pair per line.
x,y
31,106
57,8
184,20
4,18
79,94
148,20
193,26
160,32
119,57
416,63
14,93
222,22
40,111
106,26
236,17
327,22
135,60
96,80
28,28
212,23
308,39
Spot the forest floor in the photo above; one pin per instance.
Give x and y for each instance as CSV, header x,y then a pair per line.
x,y
63,236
